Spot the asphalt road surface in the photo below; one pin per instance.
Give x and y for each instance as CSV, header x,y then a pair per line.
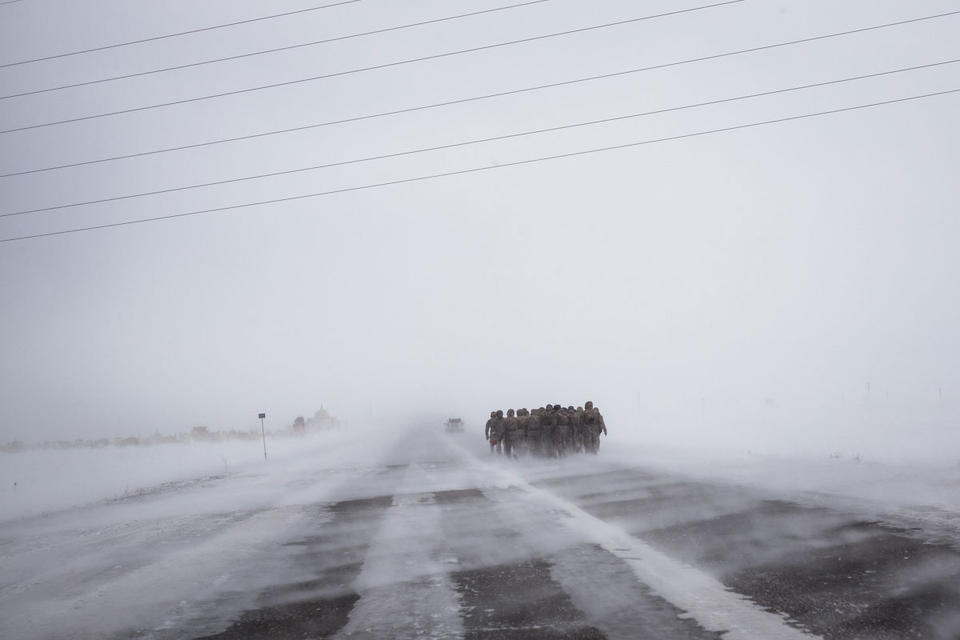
x,y
432,537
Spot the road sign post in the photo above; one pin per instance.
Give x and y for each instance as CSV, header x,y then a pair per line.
x,y
263,434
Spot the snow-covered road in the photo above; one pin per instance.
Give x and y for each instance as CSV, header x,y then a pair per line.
x,y
423,535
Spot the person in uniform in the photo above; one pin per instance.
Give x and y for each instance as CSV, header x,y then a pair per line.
x,y
511,433
488,430
561,432
576,437
590,441
498,430
523,419
595,425
532,435
601,425
548,427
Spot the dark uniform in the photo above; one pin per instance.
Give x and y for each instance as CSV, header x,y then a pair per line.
x,y
595,426
498,431
576,435
523,420
511,433
589,428
548,426
601,425
561,433
488,430
532,435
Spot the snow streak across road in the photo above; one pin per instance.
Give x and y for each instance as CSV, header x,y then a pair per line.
x,y
428,536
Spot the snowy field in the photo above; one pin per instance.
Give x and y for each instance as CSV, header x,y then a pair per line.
x,y
921,490
36,482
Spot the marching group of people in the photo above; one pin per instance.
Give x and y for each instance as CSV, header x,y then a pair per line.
x,y
552,431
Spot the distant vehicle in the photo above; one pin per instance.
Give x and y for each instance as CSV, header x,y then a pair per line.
x,y
453,425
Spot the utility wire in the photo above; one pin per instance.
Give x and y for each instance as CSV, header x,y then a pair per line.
x,y
499,94
176,35
434,176
385,65
275,50
465,143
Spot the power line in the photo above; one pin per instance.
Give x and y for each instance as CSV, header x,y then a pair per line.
x,y
385,65
483,140
275,50
434,176
487,96
175,35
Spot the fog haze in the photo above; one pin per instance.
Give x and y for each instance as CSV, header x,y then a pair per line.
x,y
790,287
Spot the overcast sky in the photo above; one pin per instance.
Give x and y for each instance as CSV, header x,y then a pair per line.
x,y
766,283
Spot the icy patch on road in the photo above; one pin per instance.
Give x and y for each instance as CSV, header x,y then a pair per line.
x,y
404,586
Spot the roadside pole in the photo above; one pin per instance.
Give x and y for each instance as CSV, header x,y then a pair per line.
x,y
263,434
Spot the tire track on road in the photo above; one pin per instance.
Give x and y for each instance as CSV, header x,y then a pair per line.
x,y
504,582
404,587
334,556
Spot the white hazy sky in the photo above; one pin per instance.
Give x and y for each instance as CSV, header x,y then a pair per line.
x,y
746,285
